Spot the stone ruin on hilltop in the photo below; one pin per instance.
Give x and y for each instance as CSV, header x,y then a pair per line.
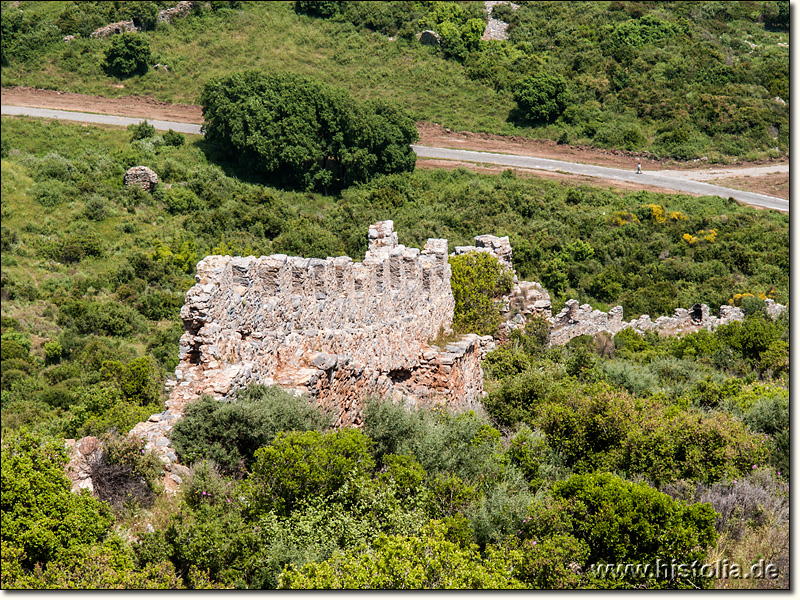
x,y
342,331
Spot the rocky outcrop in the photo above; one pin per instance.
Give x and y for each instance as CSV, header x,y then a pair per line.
x,y
144,177
430,38
83,455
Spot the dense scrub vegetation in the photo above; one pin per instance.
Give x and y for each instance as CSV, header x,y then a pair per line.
x,y
686,439
681,80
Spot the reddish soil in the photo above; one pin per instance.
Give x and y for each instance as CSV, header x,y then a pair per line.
x,y
775,184
430,134
129,106
434,163
435,135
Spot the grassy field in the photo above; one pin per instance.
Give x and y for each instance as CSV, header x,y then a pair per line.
x,y
706,87
270,36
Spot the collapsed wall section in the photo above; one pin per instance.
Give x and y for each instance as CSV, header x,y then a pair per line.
x,y
579,319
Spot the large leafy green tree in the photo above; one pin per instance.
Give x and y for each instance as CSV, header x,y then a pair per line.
x,y
298,132
542,97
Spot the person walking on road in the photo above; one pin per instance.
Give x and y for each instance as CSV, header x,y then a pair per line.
x,y
638,168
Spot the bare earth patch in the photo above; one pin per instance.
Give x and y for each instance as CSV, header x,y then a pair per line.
x,y
773,184
130,106
570,178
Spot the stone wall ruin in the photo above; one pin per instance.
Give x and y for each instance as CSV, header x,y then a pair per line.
x,y
342,331
337,330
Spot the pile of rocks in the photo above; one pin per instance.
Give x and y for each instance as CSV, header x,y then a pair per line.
x,y
180,10
144,177
495,28
114,29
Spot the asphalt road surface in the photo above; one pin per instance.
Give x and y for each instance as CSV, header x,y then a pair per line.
x,y
664,181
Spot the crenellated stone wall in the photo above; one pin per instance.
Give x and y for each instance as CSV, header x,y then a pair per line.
x,y
335,329
342,331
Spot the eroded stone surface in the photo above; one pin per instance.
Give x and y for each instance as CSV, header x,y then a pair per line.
x,y
144,177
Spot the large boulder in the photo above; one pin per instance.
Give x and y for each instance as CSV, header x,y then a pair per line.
x,y
144,177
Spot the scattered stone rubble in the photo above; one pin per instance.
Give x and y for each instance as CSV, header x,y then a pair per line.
x,y
114,29
495,28
180,10
575,320
144,177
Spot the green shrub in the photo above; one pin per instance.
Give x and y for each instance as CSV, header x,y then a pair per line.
x,y
100,408
15,345
41,516
403,473
229,433
629,522
142,131
99,318
160,305
51,193
478,280
426,561
770,416
128,55
139,380
542,97
180,200
300,465
97,208
74,248
174,138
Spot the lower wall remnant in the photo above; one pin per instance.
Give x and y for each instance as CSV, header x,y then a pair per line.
x,y
575,320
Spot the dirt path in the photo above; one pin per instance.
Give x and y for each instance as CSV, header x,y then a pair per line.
x,y
129,106
767,177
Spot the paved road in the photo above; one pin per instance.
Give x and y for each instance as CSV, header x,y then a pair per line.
x,y
66,115
678,183
673,183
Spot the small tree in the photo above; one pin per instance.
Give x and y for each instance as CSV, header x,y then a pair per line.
x,y
128,55
478,280
174,138
542,97
142,131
